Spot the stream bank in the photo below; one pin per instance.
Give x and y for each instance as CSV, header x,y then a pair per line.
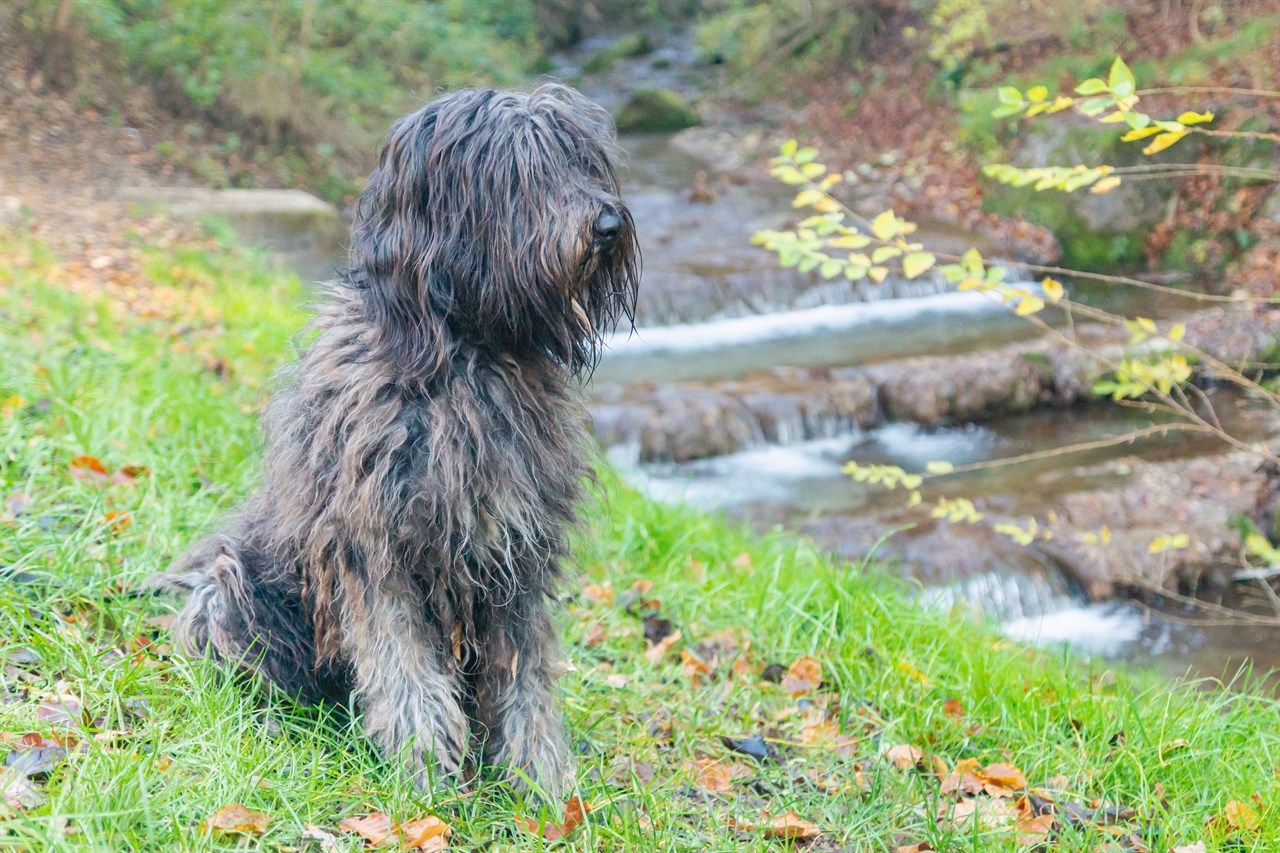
x,y
745,387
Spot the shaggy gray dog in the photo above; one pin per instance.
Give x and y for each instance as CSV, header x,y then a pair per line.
x,y
425,455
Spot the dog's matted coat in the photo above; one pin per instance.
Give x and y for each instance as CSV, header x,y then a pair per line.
x,y
424,455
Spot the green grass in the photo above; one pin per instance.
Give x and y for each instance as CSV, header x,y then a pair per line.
x,y
132,389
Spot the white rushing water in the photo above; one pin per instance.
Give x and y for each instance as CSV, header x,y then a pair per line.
x,y
805,322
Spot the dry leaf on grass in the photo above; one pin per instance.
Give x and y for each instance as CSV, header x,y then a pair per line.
x,y
599,593
1238,816
989,814
789,826
17,792
659,650
427,833
574,812
694,667
903,756
321,838
1005,777
235,819
89,469
1198,847
803,676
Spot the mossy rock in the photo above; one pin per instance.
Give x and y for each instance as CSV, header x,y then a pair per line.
x,y
656,110
1097,232
626,46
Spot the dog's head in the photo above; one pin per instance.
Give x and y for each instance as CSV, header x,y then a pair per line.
x,y
495,217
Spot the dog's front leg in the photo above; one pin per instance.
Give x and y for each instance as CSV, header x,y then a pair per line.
x,y
406,688
516,693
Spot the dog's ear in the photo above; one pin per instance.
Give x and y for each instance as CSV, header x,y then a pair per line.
x,y
392,245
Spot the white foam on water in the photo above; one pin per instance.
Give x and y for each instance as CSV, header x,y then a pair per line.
x,y
910,442
1101,629
749,475
736,331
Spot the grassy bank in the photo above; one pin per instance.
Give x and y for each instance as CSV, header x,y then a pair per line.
x,y
158,375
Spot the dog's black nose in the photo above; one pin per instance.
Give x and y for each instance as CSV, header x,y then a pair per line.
x,y
608,225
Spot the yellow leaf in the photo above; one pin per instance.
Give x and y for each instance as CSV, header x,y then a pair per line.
x,y
1141,133
1105,185
1037,93
1052,289
807,198
939,467
1163,141
878,274
1195,118
1168,542
915,498
886,226
1029,305
916,263
826,204
1176,332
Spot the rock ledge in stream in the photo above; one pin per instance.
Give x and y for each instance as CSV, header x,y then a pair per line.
x,y
1196,497
685,421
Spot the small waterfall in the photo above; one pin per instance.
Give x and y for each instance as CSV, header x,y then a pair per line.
x,y
708,292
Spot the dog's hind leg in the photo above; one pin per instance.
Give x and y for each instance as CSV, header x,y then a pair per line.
x,y
407,690
233,614
516,698
215,620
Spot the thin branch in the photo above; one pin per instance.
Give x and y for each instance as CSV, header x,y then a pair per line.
x,y
1237,134
1098,444
1209,90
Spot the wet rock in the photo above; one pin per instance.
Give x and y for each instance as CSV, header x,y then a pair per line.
x,y
679,423
300,232
656,110
1196,497
931,390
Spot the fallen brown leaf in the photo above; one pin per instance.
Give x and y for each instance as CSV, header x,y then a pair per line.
x,y
1198,847
989,814
658,650
599,593
235,819
694,667
714,776
1238,816
1033,830
789,825
426,833
963,778
953,708
803,676
574,813
322,838
903,756
1005,776
89,469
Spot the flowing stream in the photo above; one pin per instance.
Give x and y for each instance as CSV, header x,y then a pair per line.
x,y
713,308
